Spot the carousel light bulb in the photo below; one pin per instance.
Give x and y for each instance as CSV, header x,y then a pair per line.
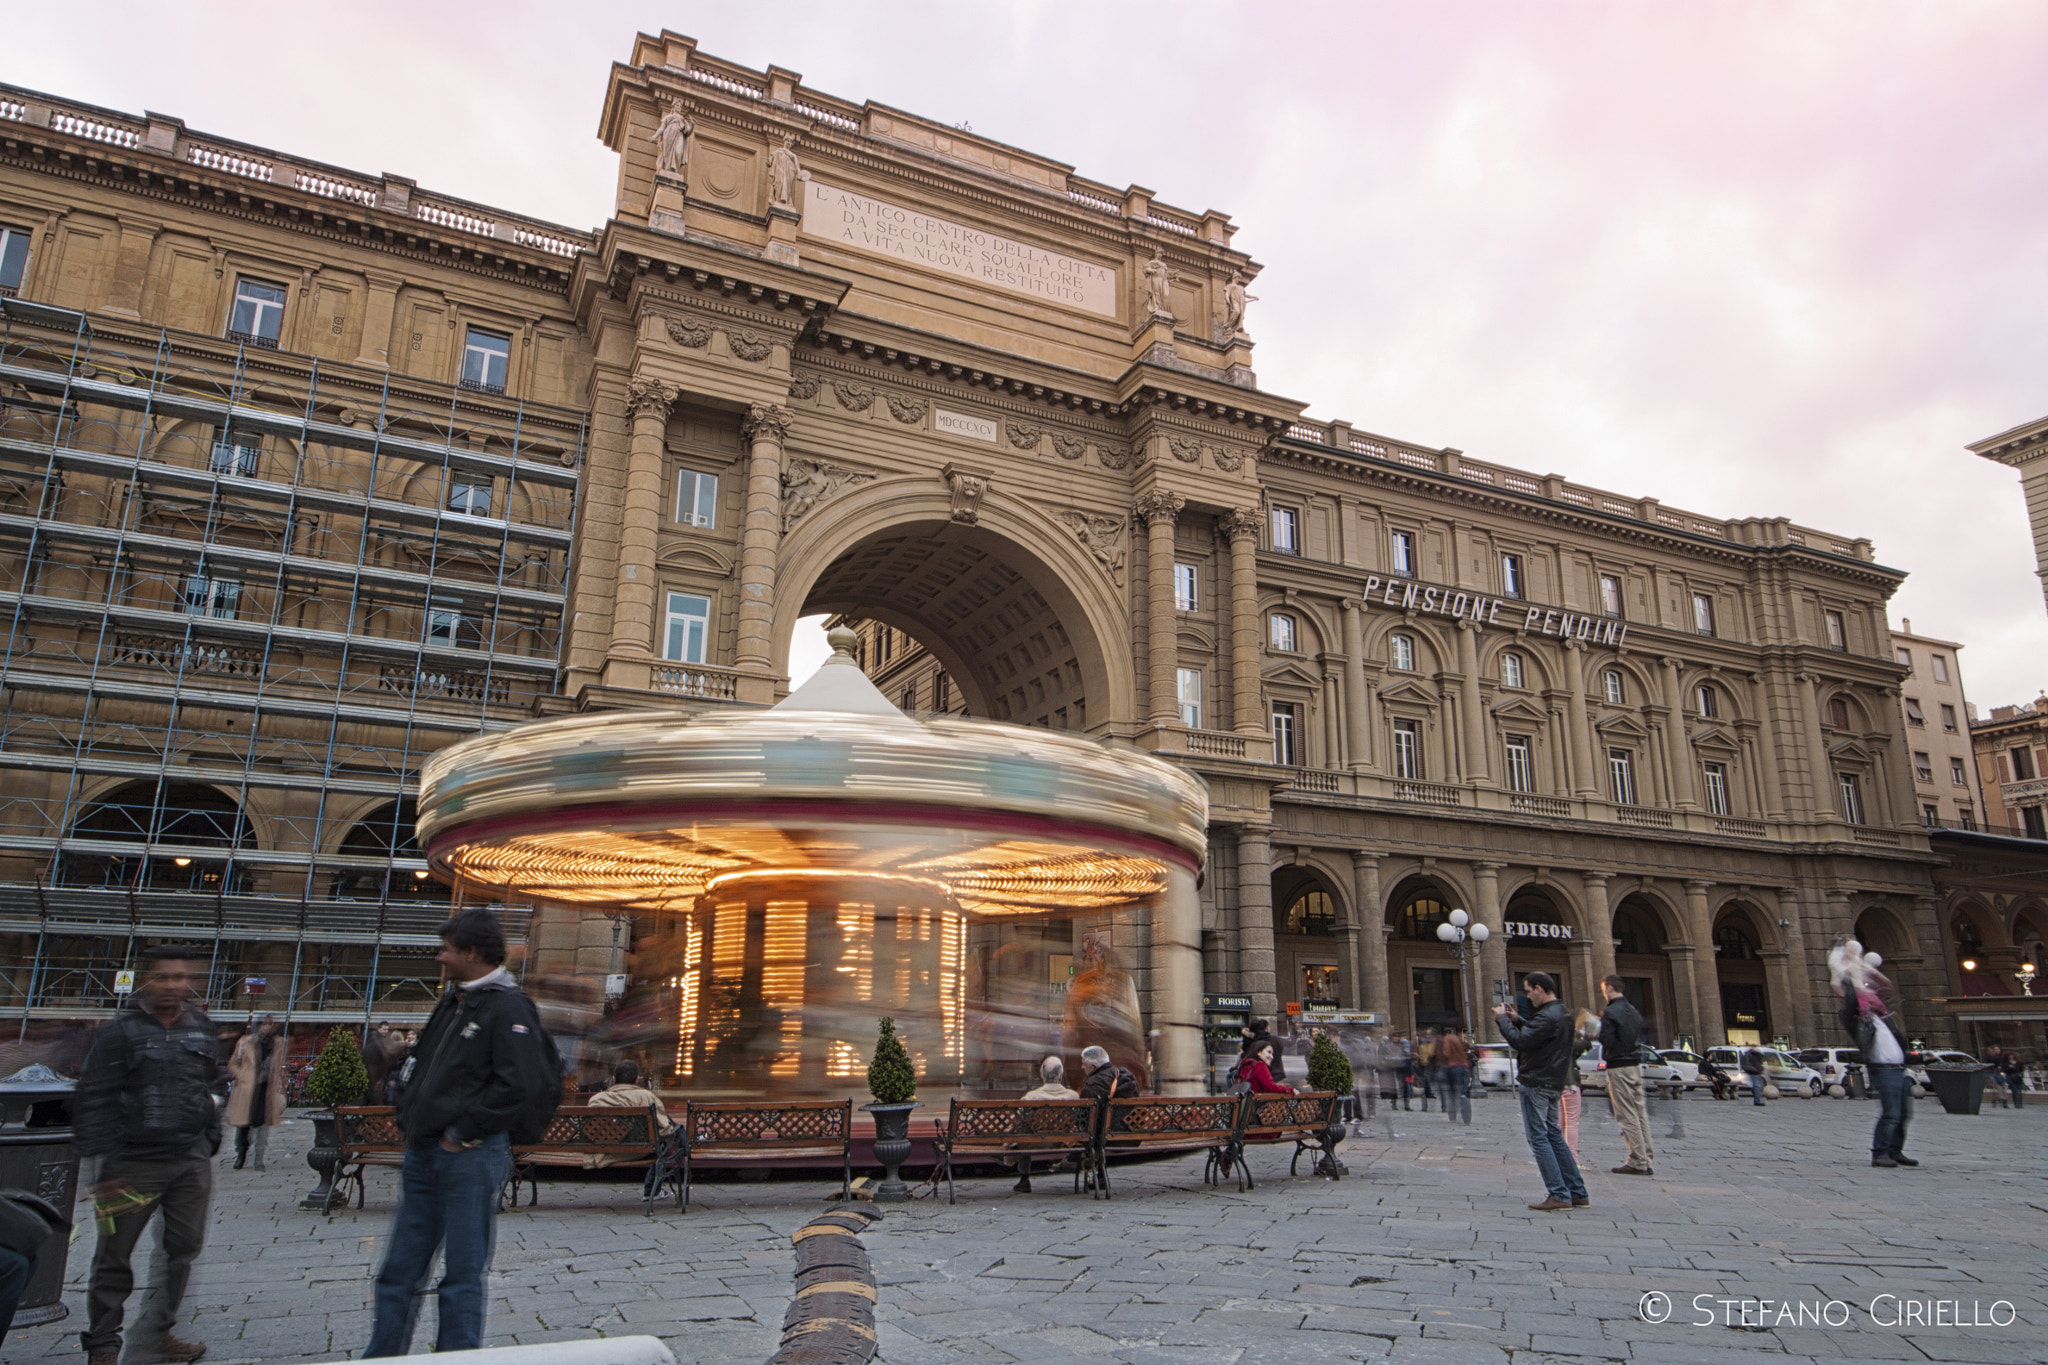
x,y
1480,933
1460,918
1449,933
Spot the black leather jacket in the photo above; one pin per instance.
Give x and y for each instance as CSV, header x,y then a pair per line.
x,y
1543,1047
1621,1033
147,1093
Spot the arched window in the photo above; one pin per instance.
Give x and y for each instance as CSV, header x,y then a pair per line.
x,y
171,817
1421,915
1611,687
1311,912
1733,943
386,833
1838,713
1282,626
1401,652
1511,669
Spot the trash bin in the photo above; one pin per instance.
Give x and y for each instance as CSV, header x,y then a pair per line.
x,y
1959,1088
36,1155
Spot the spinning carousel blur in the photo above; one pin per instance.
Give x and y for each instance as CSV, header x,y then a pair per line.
x,y
795,874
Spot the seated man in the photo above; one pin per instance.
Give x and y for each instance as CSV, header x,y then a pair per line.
x,y
1053,1072
626,1092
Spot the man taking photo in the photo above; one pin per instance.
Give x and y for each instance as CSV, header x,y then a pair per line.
x,y
145,1110
1621,1034
1544,1063
482,1073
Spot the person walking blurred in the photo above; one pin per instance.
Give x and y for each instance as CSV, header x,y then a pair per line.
x,y
1456,1056
256,1104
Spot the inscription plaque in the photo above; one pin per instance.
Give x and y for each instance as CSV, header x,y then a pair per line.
x,y
971,428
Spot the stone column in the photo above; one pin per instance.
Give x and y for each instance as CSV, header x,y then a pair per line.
x,y
1333,755
1493,954
1684,988
1356,721
1177,1052
1585,981
1477,771
765,429
1372,938
1240,530
1785,1016
1822,802
1678,752
1349,968
1159,510
629,661
1578,735
1256,965
1600,926
1699,927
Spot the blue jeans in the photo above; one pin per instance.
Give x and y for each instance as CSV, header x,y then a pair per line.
x,y
15,1272
1458,1093
1756,1089
445,1199
1554,1159
1895,1106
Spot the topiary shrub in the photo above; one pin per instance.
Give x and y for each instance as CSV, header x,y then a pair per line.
x,y
1328,1067
891,1079
338,1077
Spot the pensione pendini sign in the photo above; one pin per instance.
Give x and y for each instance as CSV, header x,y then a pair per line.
x,y
1405,594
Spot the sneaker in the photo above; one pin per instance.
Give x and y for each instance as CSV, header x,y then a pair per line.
x,y
1882,1161
1900,1160
1551,1205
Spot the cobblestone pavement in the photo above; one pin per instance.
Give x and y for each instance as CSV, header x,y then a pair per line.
x,y
1426,1251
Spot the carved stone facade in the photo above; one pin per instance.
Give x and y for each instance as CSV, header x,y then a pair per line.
x,y
1412,680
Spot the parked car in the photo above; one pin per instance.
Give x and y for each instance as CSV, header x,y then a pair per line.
x,y
1781,1069
1656,1071
1688,1064
1943,1056
1836,1065
1493,1065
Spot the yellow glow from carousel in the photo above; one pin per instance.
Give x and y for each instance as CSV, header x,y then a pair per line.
x,y
729,881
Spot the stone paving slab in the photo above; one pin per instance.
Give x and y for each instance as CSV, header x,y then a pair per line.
x,y
1425,1252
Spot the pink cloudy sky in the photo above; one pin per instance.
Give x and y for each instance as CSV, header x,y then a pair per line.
x,y
1751,259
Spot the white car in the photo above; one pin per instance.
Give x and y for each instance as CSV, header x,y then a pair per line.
x,y
1781,1069
1836,1065
1656,1071
1494,1066
1686,1064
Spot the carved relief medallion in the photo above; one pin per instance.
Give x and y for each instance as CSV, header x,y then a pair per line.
x,y
1187,452
1071,447
853,397
1114,457
1024,436
805,386
907,410
684,332
1228,460
749,346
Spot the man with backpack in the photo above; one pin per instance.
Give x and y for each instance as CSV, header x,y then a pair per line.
x,y
483,1077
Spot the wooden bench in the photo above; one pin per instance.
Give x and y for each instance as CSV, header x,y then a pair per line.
x,y
622,1137
1022,1129
1168,1123
1304,1118
368,1136
740,1134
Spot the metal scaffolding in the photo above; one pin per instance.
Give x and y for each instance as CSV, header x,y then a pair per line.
x,y
248,593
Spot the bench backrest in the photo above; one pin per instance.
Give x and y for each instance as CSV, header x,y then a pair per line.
x,y
992,1122
1308,1112
1172,1118
368,1125
596,1128
799,1123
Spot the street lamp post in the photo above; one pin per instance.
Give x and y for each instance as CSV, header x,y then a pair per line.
x,y
1462,943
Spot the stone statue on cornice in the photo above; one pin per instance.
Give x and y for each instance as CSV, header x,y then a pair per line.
x,y
672,141
1234,301
782,173
1159,278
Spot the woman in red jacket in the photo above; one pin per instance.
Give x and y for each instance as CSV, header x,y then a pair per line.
x,y
1256,1072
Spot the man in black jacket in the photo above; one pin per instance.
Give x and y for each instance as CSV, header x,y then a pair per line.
x,y
1866,1020
1621,1034
482,1067
145,1109
1544,1067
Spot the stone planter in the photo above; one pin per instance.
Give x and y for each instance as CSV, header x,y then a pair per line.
x,y
1959,1088
892,1146
36,1155
323,1158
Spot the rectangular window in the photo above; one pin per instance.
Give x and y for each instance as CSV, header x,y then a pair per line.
x,y
1510,575
1914,715
1610,687
696,498
909,702
1186,596
1286,530
235,454
1852,797
1407,751
1190,692
1511,669
1702,613
1287,734
1280,631
1940,662
1923,767
258,318
469,496
1610,594
1710,701
1621,776
451,628
1904,656
1716,775
1948,718
1838,633
13,260
689,621
1932,815
1404,553
2036,827
207,596
2022,765
1957,773
1401,652
485,357
1521,772
1966,816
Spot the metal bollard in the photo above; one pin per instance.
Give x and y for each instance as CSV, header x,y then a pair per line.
x,y
1677,1113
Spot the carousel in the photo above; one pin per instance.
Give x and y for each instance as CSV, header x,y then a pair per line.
x,y
794,875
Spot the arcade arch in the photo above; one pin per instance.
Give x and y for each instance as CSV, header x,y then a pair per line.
x,y
1309,940
1755,996
1642,938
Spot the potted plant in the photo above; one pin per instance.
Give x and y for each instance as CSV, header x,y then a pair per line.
x,y
338,1078
1329,1069
893,1083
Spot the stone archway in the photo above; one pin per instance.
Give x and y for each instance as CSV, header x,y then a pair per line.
x,y
1310,939
1026,621
1643,930
1426,988
1749,965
